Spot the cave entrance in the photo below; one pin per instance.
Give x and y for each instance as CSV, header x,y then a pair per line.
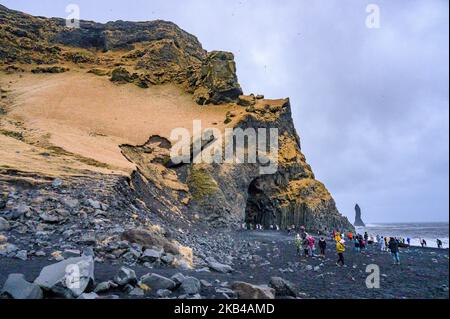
x,y
259,208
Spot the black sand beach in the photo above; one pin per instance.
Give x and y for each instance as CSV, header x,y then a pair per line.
x,y
423,272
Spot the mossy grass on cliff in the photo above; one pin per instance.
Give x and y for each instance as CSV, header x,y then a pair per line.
x,y
201,184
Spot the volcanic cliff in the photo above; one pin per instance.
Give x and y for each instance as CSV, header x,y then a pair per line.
x,y
97,103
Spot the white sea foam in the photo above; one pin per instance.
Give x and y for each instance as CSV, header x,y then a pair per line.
x,y
415,231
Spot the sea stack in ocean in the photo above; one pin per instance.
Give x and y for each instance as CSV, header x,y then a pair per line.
x,y
358,221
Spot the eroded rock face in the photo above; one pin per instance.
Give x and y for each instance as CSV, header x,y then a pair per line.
x,y
218,77
229,194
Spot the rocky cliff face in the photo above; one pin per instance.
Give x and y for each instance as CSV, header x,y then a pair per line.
x,y
158,52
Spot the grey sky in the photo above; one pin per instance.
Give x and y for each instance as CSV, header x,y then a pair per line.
x,y
371,105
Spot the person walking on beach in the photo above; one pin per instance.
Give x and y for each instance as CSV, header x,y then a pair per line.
x,y
340,249
357,248
393,247
322,246
408,240
383,244
305,245
362,243
366,236
298,244
311,246
439,243
337,237
423,243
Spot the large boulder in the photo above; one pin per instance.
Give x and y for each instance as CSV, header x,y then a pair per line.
x,y
218,267
17,287
125,276
282,287
178,278
248,291
190,286
68,278
156,282
149,239
151,255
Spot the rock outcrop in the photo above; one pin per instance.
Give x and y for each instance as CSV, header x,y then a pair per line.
x,y
158,52
358,220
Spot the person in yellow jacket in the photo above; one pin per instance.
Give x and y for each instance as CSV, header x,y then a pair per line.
x,y
340,249
338,237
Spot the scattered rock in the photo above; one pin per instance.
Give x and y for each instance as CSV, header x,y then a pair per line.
x,y
163,293
88,238
178,278
205,283
151,255
156,282
137,292
105,286
125,276
17,287
54,217
4,224
94,204
190,286
282,287
8,250
248,291
222,268
23,255
57,183
68,253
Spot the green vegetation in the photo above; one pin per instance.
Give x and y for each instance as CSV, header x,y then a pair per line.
x,y
201,184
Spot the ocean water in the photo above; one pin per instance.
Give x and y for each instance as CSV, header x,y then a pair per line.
x,y
416,231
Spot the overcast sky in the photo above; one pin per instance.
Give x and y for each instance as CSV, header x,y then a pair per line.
x,y
371,105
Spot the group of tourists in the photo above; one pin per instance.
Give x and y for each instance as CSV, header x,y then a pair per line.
x,y
306,243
